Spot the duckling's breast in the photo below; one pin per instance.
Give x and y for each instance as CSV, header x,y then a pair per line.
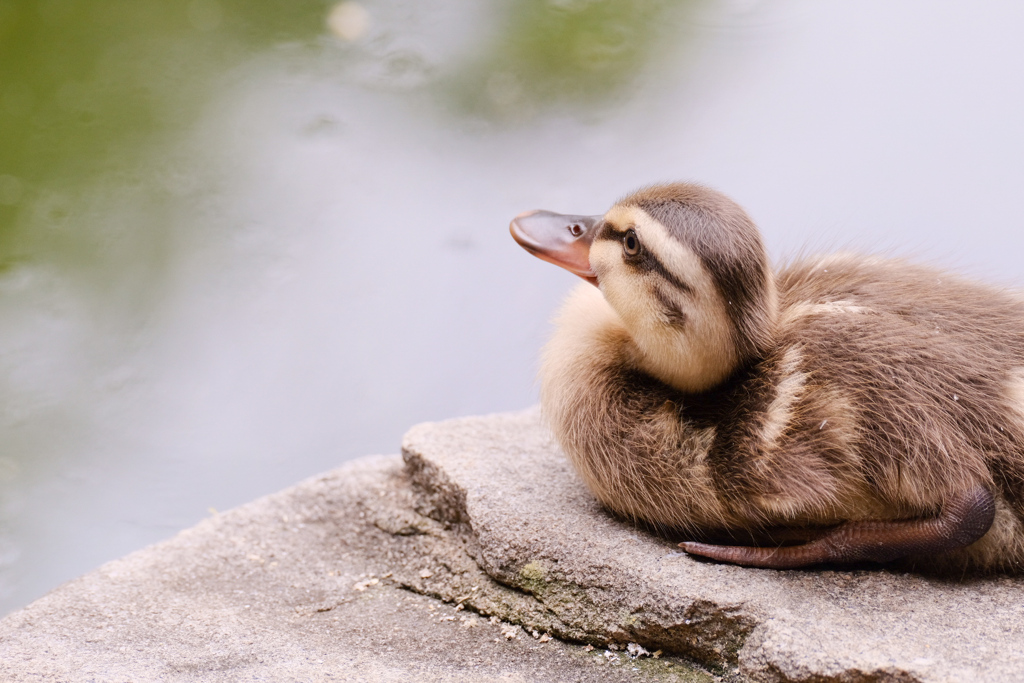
x,y
627,434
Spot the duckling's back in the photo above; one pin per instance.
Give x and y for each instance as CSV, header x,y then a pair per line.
x,y
918,374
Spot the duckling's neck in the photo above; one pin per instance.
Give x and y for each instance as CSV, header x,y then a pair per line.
x,y
692,361
708,347
589,329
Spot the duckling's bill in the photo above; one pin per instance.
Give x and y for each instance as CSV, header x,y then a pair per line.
x,y
558,238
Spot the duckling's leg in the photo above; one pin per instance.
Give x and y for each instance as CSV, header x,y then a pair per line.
x,y
963,520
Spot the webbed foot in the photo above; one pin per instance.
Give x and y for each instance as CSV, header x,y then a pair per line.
x,y
963,520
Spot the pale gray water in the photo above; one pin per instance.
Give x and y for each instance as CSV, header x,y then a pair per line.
x,y
315,255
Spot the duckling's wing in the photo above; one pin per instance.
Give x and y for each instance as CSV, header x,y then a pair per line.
x,y
963,520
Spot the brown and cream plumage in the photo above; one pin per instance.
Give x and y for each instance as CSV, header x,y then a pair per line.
x,y
871,409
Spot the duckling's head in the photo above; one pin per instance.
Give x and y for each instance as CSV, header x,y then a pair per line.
x,y
684,268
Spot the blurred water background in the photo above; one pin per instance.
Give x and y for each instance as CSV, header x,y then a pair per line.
x,y
243,241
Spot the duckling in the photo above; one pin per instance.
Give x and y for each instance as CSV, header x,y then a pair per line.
x,y
869,409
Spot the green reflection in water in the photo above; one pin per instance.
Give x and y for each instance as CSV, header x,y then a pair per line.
x,y
86,84
553,52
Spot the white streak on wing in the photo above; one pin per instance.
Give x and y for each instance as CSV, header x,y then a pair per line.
x,y
805,309
787,393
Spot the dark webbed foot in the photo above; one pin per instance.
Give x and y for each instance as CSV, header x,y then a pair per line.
x,y
963,520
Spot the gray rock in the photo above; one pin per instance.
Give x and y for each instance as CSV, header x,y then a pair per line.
x,y
502,485
459,565
300,586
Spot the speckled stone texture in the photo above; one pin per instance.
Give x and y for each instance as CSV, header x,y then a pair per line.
x,y
482,558
301,586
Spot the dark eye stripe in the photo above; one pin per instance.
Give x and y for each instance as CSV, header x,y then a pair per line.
x,y
659,268
645,260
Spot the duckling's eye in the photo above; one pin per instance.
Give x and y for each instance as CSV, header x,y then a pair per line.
x,y
631,243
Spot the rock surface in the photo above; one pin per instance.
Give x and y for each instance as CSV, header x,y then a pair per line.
x,y
338,578
301,586
502,484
